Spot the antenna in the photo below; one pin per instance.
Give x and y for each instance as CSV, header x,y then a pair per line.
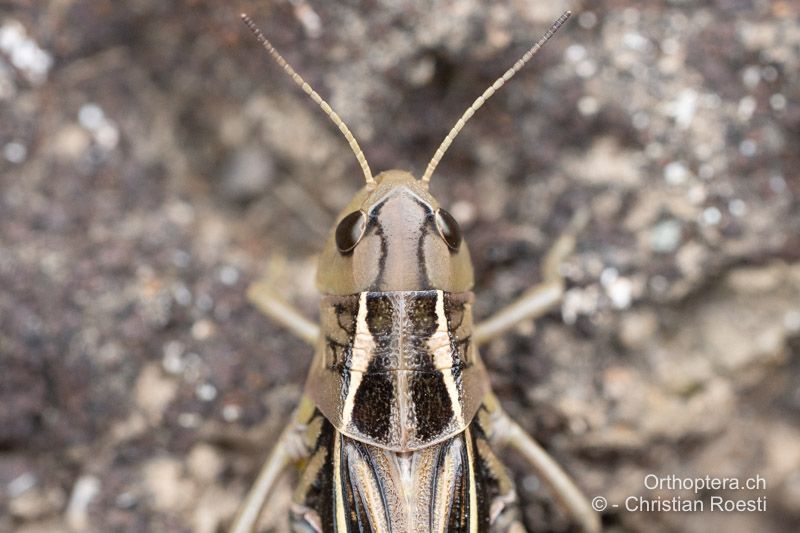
x,y
426,178
351,140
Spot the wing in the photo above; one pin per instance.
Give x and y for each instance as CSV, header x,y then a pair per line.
x,y
457,485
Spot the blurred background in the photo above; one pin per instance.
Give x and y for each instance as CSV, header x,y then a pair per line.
x,y
154,162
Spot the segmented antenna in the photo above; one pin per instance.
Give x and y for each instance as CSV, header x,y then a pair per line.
x,y
351,140
426,178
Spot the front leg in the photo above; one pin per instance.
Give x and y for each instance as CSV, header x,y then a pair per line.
x,y
541,298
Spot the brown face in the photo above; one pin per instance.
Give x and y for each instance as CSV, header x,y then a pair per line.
x,y
394,237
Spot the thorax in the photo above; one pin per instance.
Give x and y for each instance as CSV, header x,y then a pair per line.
x,y
397,369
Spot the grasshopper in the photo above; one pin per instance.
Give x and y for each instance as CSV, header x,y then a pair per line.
x,y
397,429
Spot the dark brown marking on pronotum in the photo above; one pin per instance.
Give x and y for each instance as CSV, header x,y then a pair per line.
x,y
422,323
372,410
454,310
382,317
433,407
339,340
431,401
346,313
372,407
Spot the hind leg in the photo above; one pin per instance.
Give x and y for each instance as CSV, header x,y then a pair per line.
x,y
291,447
503,431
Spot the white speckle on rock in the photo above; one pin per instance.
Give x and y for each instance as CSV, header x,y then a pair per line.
x,y
205,463
91,117
665,236
85,490
640,120
747,107
579,301
777,184
154,392
231,412
777,102
791,321
181,293
202,329
659,284
107,136
769,73
169,488
683,108
21,483
587,20
15,152
34,62
312,24
172,360
635,41
737,207
228,275
654,150
206,392
575,53
463,211
189,420
676,173
670,46
586,68
751,76
706,171
711,216
696,194
126,500
588,106
748,148
619,289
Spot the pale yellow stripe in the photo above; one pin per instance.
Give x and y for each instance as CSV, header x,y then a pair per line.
x,y
363,347
338,496
473,495
442,353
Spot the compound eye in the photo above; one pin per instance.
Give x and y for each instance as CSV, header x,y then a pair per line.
x,y
350,231
448,229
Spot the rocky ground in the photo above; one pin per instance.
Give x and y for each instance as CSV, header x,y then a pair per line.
x,y
155,163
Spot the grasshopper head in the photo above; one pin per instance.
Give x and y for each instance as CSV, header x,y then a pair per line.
x,y
394,236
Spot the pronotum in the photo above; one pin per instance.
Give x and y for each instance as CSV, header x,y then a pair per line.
x,y
397,429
